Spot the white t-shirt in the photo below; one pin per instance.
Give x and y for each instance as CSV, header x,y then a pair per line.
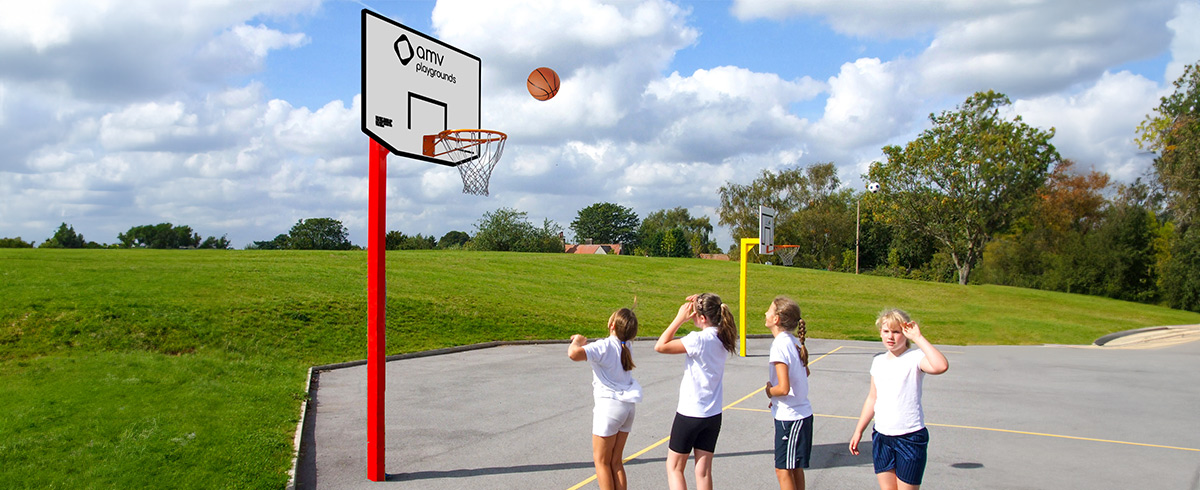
x,y
794,405
609,379
898,392
700,391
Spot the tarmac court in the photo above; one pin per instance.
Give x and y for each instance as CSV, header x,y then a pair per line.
x,y
519,416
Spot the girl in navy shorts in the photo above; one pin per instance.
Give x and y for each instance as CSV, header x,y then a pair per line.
x,y
616,393
787,387
698,415
899,440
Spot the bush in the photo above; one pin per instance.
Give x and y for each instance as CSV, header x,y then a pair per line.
x,y
1180,279
509,230
14,243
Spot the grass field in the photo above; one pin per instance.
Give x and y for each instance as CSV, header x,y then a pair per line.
x,y
139,368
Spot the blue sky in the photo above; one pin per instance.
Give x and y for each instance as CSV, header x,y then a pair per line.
x,y
240,118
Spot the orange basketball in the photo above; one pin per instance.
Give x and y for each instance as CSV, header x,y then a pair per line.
x,y
542,83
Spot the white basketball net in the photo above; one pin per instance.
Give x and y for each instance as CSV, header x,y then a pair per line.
x,y
478,150
786,254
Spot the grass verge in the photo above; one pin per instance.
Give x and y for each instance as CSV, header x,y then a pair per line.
x,y
138,368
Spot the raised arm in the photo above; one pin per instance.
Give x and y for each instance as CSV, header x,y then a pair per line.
x,y
667,343
868,413
934,362
575,350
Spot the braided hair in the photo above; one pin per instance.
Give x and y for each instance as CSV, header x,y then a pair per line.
x,y
790,319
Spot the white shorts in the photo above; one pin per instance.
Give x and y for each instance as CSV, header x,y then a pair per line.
x,y
612,416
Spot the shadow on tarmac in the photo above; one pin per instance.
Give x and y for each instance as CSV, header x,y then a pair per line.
x,y
829,455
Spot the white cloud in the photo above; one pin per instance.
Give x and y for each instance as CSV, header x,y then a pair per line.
x,y
1020,47
872,18
137,49
1096,126
1185,45
1040,48
869,102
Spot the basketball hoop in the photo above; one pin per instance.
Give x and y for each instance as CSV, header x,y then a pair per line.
x,y
786,253
474,151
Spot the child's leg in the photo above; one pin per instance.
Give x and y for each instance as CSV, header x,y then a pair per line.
x,y
616,463
704,469
602,449
676,463
790,479
888,480
786,482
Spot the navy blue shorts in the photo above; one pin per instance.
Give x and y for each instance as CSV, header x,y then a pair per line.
x,y
694,432
906,454
793,443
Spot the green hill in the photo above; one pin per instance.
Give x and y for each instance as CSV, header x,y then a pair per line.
x,y
136,368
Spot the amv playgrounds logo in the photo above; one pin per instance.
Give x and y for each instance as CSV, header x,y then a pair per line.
x,y
406,52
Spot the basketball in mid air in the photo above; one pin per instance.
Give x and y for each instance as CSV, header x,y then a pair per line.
x,y
542,83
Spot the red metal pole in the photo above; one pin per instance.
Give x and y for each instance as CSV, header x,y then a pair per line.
x,y
376,309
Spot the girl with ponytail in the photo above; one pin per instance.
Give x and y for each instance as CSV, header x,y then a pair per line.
x,y
787,387
698,415
616,393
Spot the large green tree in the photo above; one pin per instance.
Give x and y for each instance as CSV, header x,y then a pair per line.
x,y
509,230
1069,206
696,233
810,211
65,237
606,222
1173,132
319,234
965,179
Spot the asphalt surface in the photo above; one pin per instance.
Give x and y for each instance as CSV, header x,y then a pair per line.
x,y
1001,417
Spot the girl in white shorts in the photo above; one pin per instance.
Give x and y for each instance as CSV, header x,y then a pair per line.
x,y
616,393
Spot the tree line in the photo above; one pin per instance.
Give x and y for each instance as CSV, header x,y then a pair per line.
x,y
978,198
161,236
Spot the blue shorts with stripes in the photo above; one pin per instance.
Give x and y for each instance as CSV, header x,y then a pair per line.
x,y
906,454
793,443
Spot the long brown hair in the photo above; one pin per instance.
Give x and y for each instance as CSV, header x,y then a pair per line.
x,y
789,319
718,315
625,325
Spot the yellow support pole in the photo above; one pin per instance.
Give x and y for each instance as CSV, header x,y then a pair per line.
x,y
746,244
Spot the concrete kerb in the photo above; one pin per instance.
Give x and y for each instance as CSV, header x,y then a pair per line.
x,y
1149,337
314,374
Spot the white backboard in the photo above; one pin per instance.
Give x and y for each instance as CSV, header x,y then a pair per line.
x,y
414,85
766,230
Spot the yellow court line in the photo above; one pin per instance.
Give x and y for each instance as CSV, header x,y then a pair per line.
x,y
1065,437
665,439
1042,434
626,460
